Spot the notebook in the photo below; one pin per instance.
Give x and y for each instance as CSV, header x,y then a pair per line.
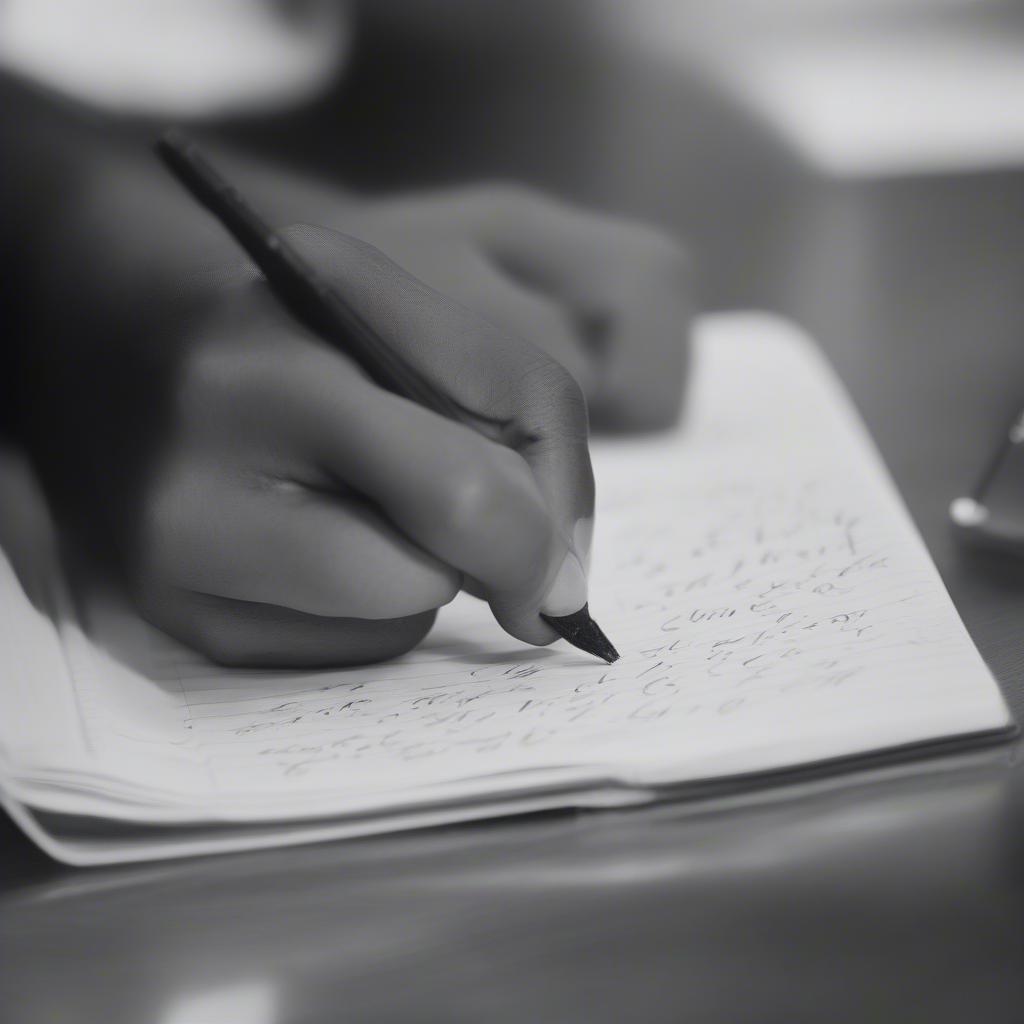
x,y
775,609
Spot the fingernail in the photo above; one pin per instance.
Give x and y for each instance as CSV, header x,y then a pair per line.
x,y
568,593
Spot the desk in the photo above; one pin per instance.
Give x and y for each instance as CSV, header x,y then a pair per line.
x,y
897,901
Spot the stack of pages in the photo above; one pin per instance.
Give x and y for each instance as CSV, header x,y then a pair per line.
x,y
773,604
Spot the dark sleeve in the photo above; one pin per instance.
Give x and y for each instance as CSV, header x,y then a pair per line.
x,y
44,145
30,174
12,275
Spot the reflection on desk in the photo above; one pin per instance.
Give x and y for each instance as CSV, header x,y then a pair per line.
x,y
878,901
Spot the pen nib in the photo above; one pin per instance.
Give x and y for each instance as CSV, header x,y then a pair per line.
x,y
583,632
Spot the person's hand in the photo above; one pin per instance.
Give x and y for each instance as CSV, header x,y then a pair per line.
x,y
270,505
608,298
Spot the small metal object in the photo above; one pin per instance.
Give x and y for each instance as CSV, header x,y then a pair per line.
x,y
993,513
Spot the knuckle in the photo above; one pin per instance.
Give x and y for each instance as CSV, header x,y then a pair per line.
x,y
471,496
489,490
549,389
569,399
553,380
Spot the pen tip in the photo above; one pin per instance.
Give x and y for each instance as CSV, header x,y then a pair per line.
x,y
583,632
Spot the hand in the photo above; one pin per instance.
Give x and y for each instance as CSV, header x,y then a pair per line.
x,y
608,298
270,505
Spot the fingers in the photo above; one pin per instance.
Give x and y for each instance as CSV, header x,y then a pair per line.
x,y
528,314
282,575
645,360
628,283
471,503
511,514
240,634
279,543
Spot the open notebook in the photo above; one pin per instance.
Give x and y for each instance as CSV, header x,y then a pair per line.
x,y
773,604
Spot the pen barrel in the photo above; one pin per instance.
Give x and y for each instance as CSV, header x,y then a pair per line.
x,y
310,298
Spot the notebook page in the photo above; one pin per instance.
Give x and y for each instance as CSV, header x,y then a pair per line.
x,y
769,595
38,702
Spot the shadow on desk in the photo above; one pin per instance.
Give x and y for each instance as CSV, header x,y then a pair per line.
x,y
895,902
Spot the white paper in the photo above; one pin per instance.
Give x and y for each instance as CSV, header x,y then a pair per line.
x,y
768,592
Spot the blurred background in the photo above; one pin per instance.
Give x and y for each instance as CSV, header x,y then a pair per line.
x,y
855,165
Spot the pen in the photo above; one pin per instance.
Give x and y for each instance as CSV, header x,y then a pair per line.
x,y
318,304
